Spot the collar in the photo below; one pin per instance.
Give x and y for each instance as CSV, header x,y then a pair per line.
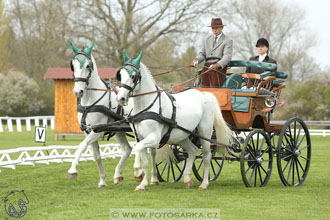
x,y
262,57
218,36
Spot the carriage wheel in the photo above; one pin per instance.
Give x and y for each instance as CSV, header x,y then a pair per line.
x,y
293,152
171,171
256,159
216,164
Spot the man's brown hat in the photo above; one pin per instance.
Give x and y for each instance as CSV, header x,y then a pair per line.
x,y
216,22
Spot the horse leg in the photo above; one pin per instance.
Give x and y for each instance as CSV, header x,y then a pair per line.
x,y
97,157
154,178
150,141
126,151
144,163
191,149
206,158
91,137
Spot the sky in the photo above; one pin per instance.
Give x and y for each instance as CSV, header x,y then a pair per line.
x,y
318,21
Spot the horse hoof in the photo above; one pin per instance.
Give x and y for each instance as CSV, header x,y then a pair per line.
x,y
202,188
139,189
101,186
118,180
154,182
72,175
189,184
139,178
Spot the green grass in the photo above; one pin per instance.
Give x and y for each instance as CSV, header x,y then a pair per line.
x,y
52,196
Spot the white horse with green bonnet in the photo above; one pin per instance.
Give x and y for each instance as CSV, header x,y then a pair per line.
x,y
155,114
86,76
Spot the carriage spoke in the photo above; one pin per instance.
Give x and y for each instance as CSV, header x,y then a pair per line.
x,y
300,165
160,162
297,169
260,175
251,153
161,173
293,171
173,171
294,137
298,145
168,173
199,166
262,144
212,168
266,150
253,145
303,148
257,142
178,167
286,166
303,157
286,157
247,170
255,175
263,169
298,136
290,144
289,170
218,163
252,174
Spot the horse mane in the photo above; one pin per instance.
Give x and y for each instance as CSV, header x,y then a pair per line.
x,y
145,70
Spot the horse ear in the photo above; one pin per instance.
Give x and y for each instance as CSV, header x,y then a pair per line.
x,y
138,59
75,49
126,58
89,49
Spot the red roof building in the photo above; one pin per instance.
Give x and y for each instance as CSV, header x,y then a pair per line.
x,y
66,122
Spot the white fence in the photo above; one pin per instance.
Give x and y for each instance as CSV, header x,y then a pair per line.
x,y
59,154
45,120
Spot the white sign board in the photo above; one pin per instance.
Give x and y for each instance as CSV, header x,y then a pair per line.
x,y
40,134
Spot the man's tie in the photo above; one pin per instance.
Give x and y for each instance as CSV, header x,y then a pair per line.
x,y
215,40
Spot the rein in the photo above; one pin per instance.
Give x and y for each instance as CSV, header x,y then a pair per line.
x,y
162,90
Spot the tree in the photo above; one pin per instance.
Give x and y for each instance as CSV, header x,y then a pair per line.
x,y
5,39
279,22
132,24
19,95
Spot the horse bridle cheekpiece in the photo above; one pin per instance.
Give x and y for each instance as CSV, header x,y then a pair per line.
x,y
131,66
81,56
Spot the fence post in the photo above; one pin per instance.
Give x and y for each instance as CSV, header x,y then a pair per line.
x,y
28,124
44,122
52,123
10,124
36,122
1,128
18,125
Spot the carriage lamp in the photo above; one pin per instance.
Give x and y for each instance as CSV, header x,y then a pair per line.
x,y
270,101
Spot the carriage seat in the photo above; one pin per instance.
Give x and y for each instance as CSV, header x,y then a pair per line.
x,y
280,76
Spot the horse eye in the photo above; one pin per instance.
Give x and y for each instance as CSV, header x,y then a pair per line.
x,y
87,66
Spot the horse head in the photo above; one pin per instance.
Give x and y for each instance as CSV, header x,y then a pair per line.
x,y
82,67
129,76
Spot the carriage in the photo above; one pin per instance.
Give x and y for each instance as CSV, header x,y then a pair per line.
x,y
245,113
256,141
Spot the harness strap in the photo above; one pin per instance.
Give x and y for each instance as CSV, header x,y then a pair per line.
x,y
95,108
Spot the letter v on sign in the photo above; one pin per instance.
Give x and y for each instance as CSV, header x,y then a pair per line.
x,y
40,134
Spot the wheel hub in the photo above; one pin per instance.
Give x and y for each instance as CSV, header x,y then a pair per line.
x,y
259,160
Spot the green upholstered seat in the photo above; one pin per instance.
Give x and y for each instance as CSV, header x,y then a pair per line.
x,y
281,75
240,104
278,81
234,81
251,63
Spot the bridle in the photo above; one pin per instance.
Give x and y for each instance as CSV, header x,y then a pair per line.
x,y
130,67
91,68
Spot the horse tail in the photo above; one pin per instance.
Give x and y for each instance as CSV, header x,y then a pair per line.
x,y
165,153
222,131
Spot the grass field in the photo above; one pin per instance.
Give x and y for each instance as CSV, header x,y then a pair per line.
x,y
52,196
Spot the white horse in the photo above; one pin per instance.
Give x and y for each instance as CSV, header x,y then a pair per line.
x,y
86,75
194,110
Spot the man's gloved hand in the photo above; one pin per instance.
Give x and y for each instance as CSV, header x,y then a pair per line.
x,y
194,63
215,66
